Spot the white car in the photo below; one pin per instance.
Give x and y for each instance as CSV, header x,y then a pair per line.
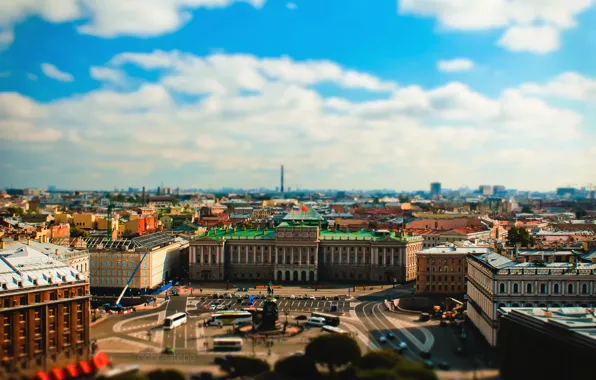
x,y
382,339
213,307
220,307
292,297
313,298
403,345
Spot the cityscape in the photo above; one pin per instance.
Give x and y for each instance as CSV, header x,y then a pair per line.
x,y
260,189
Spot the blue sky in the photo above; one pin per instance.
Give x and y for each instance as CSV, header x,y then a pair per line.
x,y
345,93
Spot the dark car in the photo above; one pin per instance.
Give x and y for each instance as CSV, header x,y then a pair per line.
x,y
324,298
429,364
336,298
391,336
443,366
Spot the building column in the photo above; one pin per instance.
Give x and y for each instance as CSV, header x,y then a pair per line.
x,y
316,257
221,255
392,253
270,255
246,254
292,255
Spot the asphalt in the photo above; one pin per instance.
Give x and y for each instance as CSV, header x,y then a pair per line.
x,y
200,305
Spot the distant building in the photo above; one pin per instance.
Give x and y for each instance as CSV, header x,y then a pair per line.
x,y
566,191
485,190
499,190
435,189
44,313
541,343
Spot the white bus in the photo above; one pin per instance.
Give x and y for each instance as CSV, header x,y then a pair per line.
x,y
231,318
227,344
335,330
174,321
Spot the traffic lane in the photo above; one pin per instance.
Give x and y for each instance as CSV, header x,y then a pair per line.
x,y
382,327
408,319
445,347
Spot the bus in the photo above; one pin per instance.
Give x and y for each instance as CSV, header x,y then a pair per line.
x,y
335,330
330,319
227,344
230,318
174,321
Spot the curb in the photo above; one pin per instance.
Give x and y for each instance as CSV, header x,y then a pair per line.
x,y
98,321
399,309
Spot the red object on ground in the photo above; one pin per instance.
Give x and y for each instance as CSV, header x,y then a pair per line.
x,y
58,374
86,367
42,376
101,360
72,370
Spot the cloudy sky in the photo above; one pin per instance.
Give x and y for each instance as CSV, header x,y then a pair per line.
x,y
345,93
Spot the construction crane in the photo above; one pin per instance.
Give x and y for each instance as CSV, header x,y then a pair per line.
x,y
109,221
117,303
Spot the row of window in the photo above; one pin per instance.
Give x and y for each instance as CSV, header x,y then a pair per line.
x,y
33,298
123,264
556,288
117,273
111,281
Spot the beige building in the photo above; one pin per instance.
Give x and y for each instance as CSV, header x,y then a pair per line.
x,y
495,281
84,221
112,263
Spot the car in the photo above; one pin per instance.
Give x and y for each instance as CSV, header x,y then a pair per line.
x,y
292,297
217,295
382,339
429,364
213,306
169,350
324,298
312,298
425,354
220,307
443,366
403,345
391,336
336,298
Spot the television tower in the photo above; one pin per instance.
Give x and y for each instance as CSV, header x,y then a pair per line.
x,y
281,188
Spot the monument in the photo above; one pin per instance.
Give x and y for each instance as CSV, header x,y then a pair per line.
x,y
270,320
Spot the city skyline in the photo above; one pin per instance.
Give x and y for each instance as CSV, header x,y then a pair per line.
x,y
416,93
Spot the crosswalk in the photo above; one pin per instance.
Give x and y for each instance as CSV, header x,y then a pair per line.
x,y
202,303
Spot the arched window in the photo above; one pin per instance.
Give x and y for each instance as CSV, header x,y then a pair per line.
x,y
501,288
528,288
584,289
542,288
515,288
569,288
556,288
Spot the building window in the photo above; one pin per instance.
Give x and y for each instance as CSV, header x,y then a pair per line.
x,y
528,288
23,300
38,298
515,288
584,289
569,288
556,288
501,288
542,288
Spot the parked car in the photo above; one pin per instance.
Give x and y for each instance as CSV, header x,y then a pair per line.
x,y
213,306
220,307
336,298
292,297
313,298
324,298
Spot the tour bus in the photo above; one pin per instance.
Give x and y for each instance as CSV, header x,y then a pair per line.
x,y
227,344
230,318
174,321
335,330
330,319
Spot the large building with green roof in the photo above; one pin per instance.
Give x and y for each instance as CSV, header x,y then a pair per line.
x,y
303,249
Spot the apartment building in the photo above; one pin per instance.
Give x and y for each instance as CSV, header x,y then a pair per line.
x,y
443,269
44,313
495,281
301,251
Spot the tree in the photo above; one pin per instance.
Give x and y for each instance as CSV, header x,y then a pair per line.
x,y
388,365
296,367
333,351
77,232
520,235
527,209
238,366
166,374
580,213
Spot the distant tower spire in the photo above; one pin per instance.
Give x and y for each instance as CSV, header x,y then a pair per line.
x,y
282,182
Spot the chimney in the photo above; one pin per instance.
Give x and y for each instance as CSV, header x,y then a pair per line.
x,y
2,244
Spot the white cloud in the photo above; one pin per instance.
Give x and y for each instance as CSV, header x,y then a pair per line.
x,y
568,85
224,73
53,72
534,39
457,64
31,76
109,18
291,6
451,133
106,74
527,19
5,74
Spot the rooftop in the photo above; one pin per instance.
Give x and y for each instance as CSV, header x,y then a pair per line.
x,y
453,249
26,267
506,266
306,214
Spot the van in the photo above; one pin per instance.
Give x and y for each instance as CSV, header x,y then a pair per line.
x,y
316,321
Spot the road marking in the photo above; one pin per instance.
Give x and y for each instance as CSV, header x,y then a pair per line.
x,y
421,346
429,339
118,326
367,342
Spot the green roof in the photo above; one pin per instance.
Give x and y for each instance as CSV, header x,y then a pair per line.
x,y
221,233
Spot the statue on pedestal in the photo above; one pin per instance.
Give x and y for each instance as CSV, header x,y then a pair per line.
x,y
270,319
